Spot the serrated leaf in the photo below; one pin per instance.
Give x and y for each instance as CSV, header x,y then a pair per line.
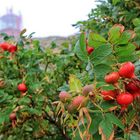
x,y
96,40
131,58
100,53
80,48
114,120
125,50
106,127
125,37
101,70
114,34
96,119
75,84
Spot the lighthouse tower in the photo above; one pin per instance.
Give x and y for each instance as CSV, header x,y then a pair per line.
x,y
11,23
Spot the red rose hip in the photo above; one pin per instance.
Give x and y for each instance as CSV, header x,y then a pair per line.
x,y
90,50
22,87
124,99
12,116
127,70
12,48
5,46
108,95
112,77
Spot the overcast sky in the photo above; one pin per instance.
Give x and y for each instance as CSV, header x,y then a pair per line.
x,y
49,17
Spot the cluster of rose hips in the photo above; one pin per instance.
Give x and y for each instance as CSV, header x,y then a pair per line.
x,y
130,89
5,46
73,104
124,94
77,102
22,88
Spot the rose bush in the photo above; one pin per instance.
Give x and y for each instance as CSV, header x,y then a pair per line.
x,y
88,90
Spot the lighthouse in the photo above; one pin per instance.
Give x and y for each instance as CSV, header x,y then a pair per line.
x,y
11,23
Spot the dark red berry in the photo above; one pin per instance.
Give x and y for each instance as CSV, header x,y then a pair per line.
x,y
132,87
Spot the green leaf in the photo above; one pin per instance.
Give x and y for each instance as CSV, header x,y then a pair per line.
x,y
34,111
24,101
114,34
131,58
115,1
114,120
80,48
96,119
130,116
136,21
100,53
108,87
3,97
124,39
107,105
96,40
125,50
2,118
75,84
106,127
101,70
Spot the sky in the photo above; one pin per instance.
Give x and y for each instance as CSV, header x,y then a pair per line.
x,y
49,17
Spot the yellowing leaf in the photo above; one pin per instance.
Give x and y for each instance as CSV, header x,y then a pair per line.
x,y
75,84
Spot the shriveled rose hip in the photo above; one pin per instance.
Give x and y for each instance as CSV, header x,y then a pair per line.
x,y
87,89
